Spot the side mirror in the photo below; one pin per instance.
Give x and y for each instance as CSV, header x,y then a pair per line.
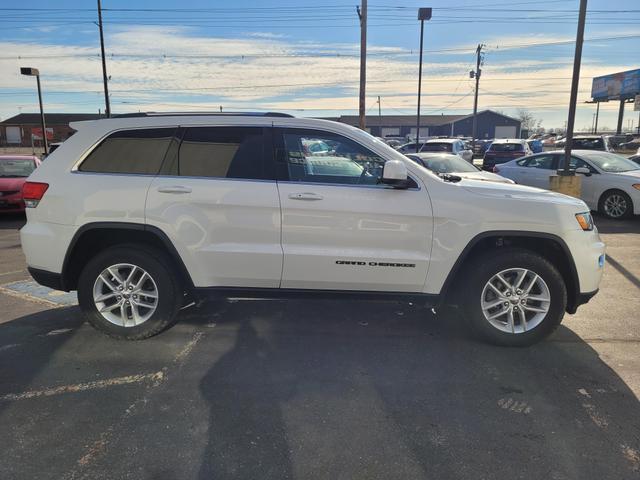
x,y
395,174
583,171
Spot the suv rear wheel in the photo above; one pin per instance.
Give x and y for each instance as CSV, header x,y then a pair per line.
x,y
129,293
514,297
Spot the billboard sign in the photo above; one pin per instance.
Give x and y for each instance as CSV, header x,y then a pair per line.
x,y
617,86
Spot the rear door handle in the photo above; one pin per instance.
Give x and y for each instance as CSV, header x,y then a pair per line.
x,y
174,189
305,196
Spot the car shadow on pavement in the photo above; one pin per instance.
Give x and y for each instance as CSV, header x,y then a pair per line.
x,y
28,343
606,226
357,390
623,271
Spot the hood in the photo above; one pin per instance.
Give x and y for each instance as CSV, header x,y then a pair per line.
x,y
9,184
486,176
519,192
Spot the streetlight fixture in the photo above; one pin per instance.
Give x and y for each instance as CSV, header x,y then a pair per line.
x,y
34,72
423,14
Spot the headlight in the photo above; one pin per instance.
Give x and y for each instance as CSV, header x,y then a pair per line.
x,y
585,220
636,186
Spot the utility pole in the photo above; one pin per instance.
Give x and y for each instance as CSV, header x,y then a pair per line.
x,y
476,74
595,128
362,14
104,63
380,116
577,59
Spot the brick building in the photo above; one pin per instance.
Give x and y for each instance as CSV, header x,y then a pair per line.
x,y
17,131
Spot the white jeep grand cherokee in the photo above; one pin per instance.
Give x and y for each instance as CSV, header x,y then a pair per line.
x,y
138,212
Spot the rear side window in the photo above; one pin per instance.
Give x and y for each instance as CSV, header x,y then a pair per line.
x,y
139,151
544,162
220,152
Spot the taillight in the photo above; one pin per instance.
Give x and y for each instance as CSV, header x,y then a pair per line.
x,y
32,193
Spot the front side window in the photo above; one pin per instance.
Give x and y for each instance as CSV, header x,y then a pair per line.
x,y
139,151
220,152
325,157
579,163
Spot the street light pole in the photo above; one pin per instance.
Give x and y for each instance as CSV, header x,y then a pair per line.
x,y
362,13
34,72
577,59
423,14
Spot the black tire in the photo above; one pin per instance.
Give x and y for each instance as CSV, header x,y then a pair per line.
x,y
484,268
610,194
157,265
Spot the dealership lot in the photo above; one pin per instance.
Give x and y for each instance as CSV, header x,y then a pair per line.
x,y
319,389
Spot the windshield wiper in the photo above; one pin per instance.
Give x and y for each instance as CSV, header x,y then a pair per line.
x,y
447,177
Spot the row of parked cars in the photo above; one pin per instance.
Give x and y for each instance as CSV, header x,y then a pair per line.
x,y
610,185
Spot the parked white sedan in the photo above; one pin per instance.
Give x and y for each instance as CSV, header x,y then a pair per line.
x,y
611,183
443,163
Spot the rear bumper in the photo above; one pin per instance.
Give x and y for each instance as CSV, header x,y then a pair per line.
x,y
46,278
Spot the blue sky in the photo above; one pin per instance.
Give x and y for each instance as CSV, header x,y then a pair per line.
x,y
302,56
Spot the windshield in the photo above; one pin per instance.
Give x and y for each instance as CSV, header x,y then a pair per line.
x,y
448,164
588,143
437,147
16,167
507,147
610,162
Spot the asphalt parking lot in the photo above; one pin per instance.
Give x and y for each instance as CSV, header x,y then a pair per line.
x,y
319,389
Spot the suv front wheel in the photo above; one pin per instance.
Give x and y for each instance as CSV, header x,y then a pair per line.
x,y
129,293
514,297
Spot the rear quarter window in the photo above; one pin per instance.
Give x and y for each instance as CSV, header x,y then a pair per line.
x,y
139,151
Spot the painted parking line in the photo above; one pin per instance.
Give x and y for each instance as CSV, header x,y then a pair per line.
x,y
152,378
30,290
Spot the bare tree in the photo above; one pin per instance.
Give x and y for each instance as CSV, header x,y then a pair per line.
x,y
528,121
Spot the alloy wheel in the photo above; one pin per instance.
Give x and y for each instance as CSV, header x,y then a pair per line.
x,y
125,295
515,300
615,205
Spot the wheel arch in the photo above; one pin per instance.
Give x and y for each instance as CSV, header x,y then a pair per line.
x,y
94,237
547,245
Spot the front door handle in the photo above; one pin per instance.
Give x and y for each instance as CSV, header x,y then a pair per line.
x,y
305,196
174,189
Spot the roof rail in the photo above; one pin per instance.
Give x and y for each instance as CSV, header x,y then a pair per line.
x,y
185,114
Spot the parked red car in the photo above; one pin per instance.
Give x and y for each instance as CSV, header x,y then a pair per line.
x,y
14,170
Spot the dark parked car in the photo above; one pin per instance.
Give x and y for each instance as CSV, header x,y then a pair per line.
x,y
503,150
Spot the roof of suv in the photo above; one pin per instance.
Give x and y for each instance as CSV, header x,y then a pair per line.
x,y
150,120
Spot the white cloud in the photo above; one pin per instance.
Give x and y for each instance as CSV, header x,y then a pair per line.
x,y
182,70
